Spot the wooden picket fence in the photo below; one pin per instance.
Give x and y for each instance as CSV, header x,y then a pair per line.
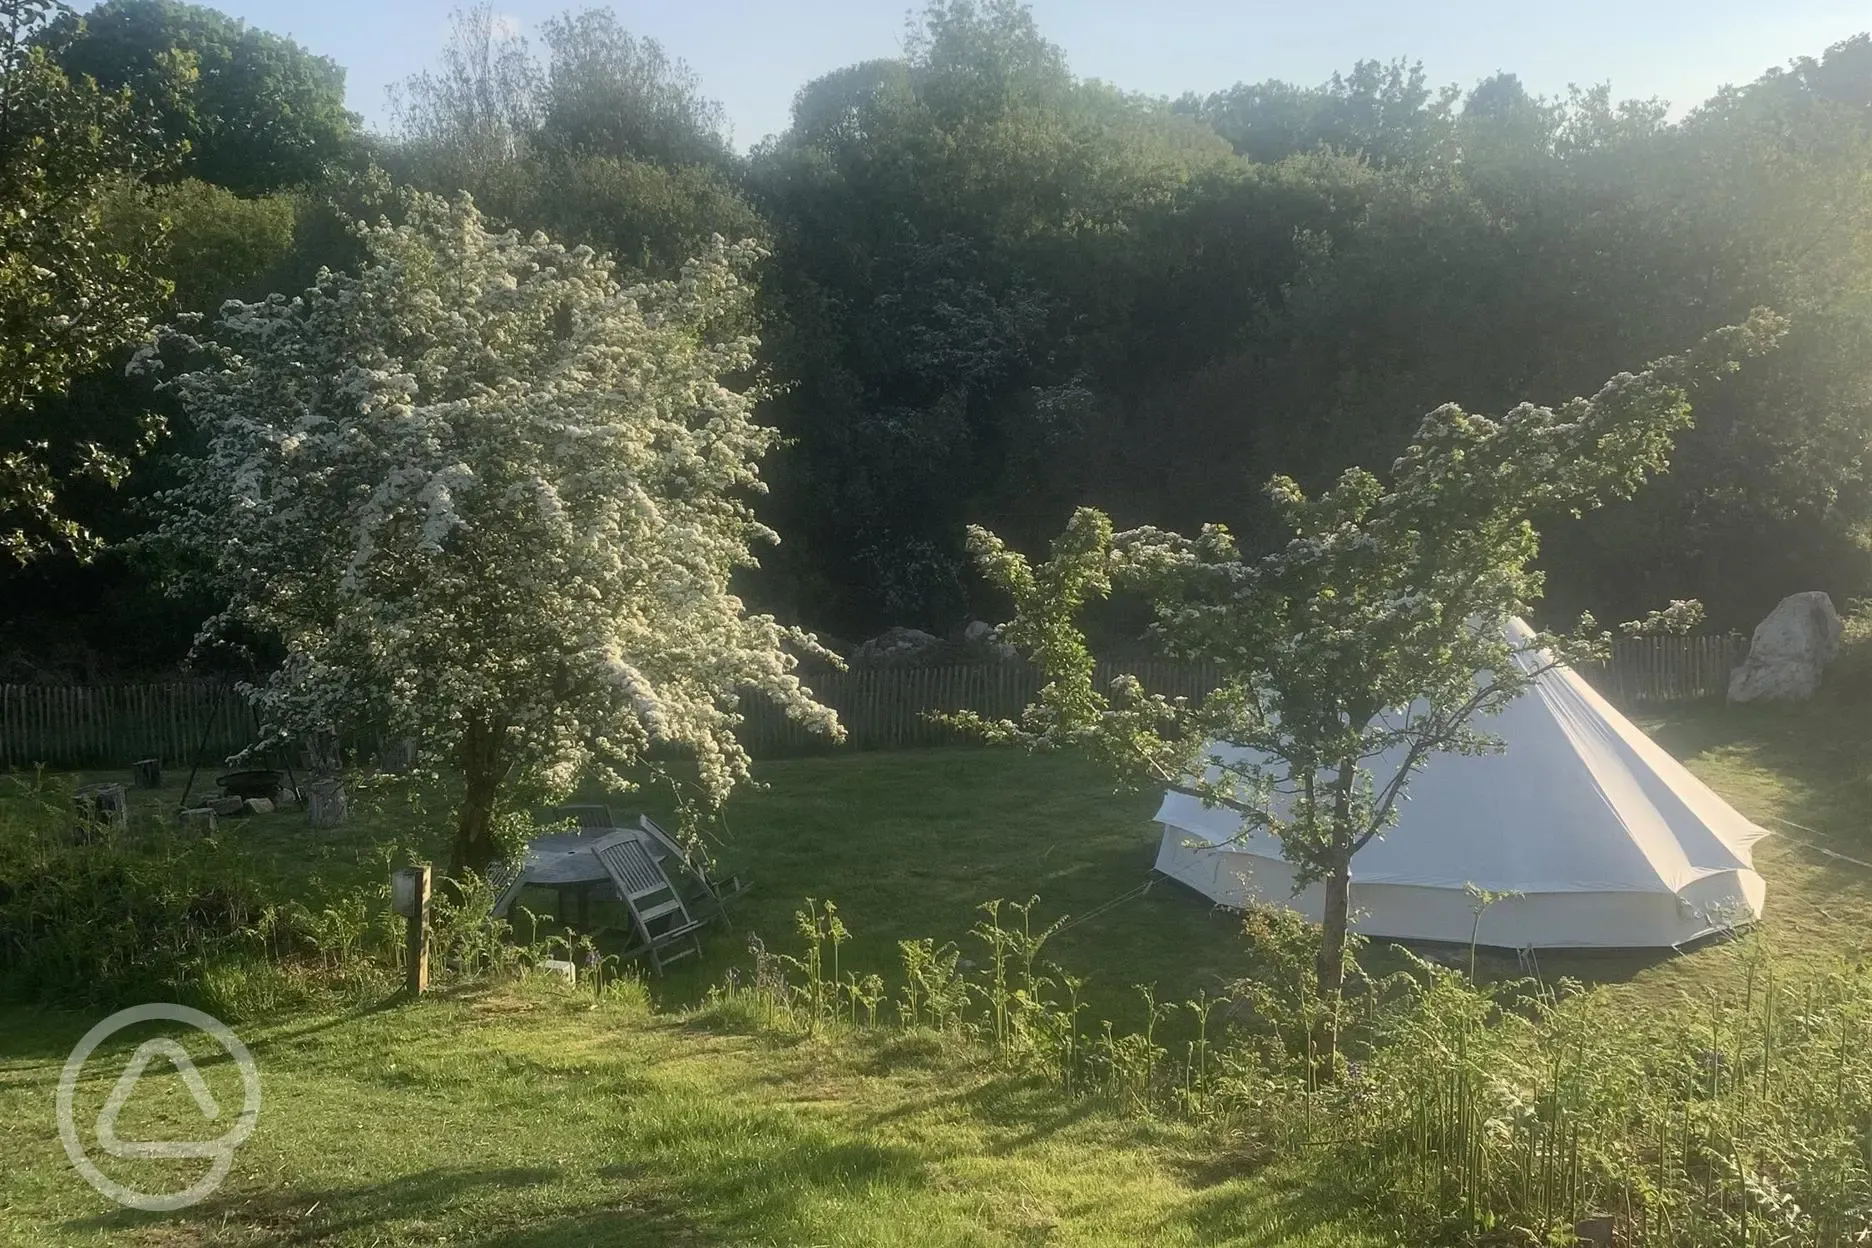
x,y
889,707
1652,670
115,725
881,708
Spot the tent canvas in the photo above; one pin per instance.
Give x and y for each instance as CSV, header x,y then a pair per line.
x,y
1610,841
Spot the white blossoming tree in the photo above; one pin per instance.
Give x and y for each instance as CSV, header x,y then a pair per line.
x,y
489,499
1380,629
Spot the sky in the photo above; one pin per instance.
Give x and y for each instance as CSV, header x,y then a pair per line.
x,y
752,55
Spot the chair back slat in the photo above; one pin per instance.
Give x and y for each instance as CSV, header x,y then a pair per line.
x,y
630,866
655,831
592,816
656,908
505,880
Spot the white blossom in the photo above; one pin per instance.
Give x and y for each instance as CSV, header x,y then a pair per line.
x,y
478,483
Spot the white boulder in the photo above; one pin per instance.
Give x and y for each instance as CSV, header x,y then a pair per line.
x,y
1789,650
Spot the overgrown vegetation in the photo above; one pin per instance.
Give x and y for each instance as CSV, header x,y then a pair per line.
x,y
1849,676
92,916
1513,1110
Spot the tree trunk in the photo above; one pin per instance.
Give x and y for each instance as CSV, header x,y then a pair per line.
x,y
1331,972
325,803
1333,922
481,776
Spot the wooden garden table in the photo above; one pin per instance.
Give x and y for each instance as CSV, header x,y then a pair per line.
x,y
563,862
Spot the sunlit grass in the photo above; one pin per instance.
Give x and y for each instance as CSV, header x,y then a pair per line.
x,y
528,1117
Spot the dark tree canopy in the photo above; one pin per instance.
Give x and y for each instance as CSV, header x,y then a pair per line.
x,y
996,291
262,112
610,93
1387,114
76,285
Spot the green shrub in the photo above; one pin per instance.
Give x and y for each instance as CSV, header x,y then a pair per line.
x,y
1849,676
88,917
1501,1114
102,918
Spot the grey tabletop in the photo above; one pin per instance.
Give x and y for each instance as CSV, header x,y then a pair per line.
x,y
566,857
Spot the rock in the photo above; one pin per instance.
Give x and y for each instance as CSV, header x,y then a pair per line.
x,y
260,805
1789,650
1598,1231
225,805
201,817
897,643
983,641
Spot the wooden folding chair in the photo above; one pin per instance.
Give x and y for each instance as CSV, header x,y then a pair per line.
x,y
669,846
656,908
717,891
589,817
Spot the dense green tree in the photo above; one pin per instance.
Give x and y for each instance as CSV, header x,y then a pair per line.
x,y
73,289
1760,195
1388,115
211,243
606,141
1562,237
962,239
106,617
262,113
607,92
998,292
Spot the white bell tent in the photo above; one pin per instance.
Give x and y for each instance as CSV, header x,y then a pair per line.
x,y
1609,841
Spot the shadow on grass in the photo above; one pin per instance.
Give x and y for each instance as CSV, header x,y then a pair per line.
x,y
43,1039
274,1039
31,1035
1279,1205
308,1216
1816,752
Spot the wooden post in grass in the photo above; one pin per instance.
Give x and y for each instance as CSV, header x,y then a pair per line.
x,y
325,803
409,896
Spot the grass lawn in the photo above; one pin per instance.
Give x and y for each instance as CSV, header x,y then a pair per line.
x,y
524,1117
